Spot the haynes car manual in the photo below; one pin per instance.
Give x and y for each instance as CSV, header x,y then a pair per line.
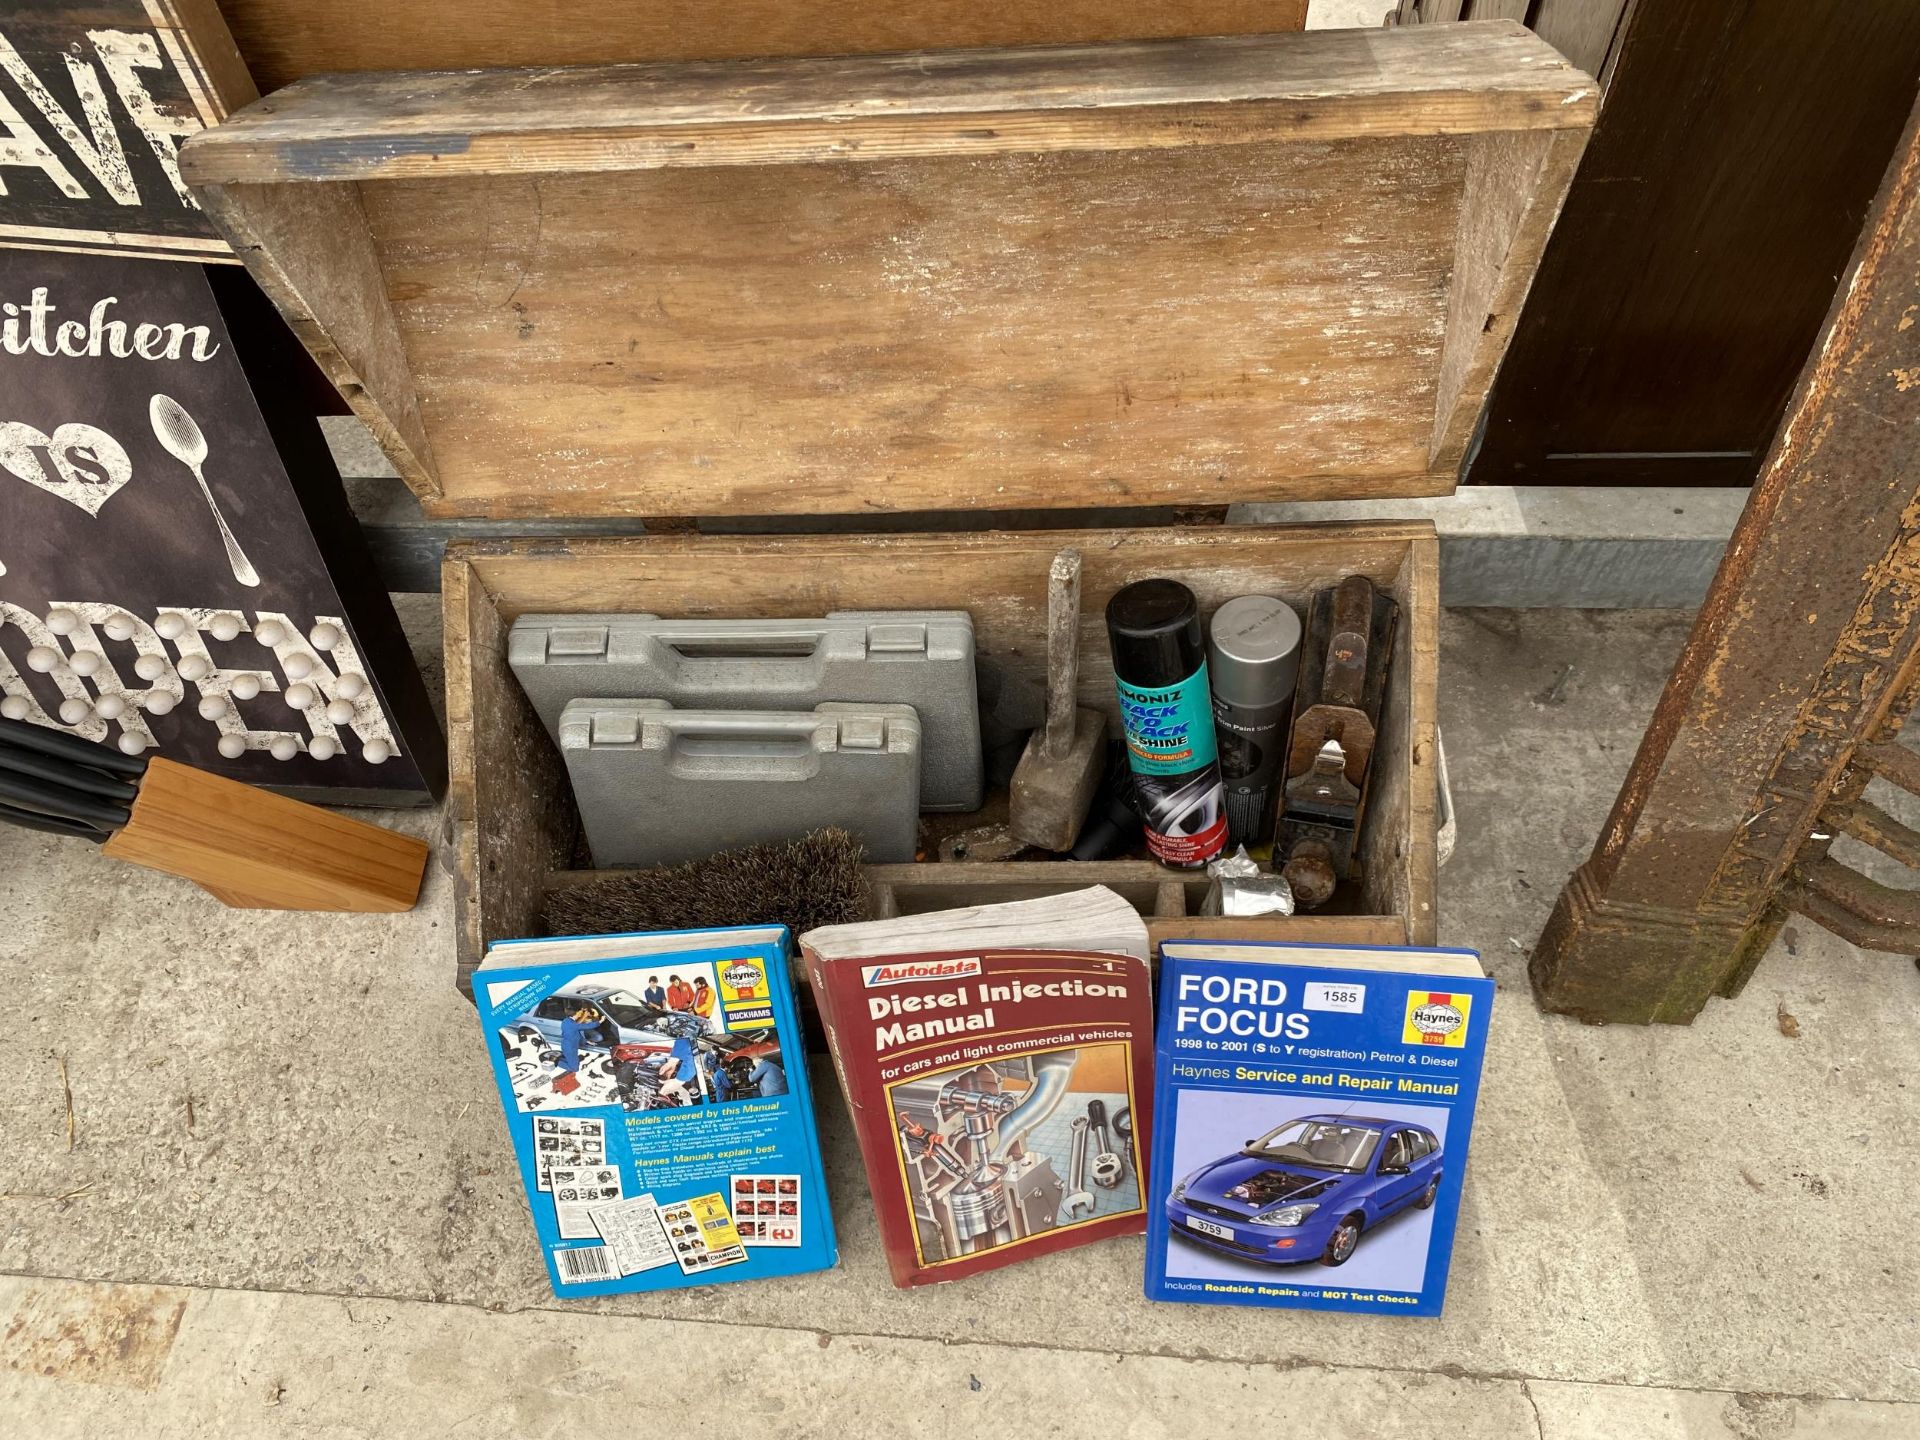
x,y
1315,1104
996,1061
656,1090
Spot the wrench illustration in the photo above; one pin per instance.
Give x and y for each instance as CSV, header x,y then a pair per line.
x,y
1109,1166
1080,1200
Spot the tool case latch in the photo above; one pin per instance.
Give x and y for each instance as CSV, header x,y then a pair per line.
x,y
898,638
863,732
577,641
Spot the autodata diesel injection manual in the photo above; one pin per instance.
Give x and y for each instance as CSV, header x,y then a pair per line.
x,y
997,1063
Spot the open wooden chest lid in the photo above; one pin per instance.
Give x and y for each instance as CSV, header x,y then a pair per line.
x,y
1141,273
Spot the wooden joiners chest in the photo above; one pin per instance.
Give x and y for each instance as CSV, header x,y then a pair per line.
x,y
1163,273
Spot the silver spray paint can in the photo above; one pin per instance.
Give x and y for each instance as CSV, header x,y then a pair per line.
x,y
1253,656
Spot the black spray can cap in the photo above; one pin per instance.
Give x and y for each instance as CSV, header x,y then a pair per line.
x,y
1154,629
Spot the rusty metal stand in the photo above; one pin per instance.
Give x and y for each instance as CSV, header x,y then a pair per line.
x,y
1785,702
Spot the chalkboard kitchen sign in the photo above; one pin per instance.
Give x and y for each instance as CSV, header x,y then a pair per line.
x,y
166,522
96,98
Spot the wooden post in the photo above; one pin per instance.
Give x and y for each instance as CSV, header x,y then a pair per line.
x,y
1803,653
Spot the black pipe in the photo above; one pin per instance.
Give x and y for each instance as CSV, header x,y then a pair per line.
x,y
23,735
62,772
51,824
61,801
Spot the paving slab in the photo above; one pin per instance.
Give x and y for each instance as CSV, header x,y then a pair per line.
x,y
234,1362
158,1361
302,1104
1620,1412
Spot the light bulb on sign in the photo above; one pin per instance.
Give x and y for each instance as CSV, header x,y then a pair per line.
x,y
245,687
150,667
170,626
62,621
232,746
224,627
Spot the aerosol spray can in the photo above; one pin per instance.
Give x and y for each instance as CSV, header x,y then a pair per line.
x,y
1253,655
1160,668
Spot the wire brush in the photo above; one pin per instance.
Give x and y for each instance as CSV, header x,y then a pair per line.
x,y
815,880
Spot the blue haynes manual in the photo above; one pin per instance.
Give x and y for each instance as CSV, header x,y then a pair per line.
x,y
1313,1106
656,1090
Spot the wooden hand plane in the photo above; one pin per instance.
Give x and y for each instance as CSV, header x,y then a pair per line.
x,y
1336,714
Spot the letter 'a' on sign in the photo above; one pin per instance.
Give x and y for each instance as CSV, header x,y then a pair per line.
x,y
96,100
1437,1017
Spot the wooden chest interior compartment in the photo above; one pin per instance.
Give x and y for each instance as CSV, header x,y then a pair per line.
x,y
514,822
1167,273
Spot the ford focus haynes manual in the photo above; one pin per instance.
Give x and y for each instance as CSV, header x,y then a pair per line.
x,y
1314,1108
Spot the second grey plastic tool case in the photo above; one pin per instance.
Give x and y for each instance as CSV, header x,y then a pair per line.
x,y
658,786
922,658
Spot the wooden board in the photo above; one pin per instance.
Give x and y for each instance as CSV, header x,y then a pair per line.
x,y
1205,92
513,821
1185,272
257,851
284,40
1581,30
900,338
95,99
1171,901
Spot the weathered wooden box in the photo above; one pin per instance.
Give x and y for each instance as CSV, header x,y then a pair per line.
x,y
1168,273
515,824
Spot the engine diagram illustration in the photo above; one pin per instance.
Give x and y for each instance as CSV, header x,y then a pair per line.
x,y
999,1151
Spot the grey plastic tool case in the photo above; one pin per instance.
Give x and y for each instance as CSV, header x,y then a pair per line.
x,y
922,658
658,786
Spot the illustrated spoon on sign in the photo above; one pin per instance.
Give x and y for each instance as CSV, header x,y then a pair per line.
x,y
176,431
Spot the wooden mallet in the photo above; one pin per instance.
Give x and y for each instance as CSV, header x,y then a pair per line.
x,y
1054,782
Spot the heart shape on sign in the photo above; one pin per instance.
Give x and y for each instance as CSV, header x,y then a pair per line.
x,y
81,464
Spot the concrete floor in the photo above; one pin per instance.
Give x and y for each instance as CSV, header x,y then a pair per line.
x,y
287,1204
